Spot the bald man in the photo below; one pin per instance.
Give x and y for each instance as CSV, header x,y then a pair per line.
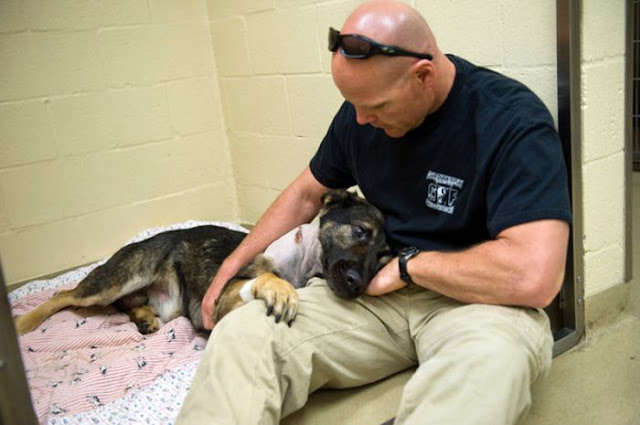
x,y
467,168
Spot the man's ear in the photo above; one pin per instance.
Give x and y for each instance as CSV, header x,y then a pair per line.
x,y
423,70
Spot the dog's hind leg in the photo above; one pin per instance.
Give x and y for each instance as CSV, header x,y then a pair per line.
x,y
68,298
101,287
31,320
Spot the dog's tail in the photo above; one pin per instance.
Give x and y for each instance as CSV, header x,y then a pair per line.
x,y
31,320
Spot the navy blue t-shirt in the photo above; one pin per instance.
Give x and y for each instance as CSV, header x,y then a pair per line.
x,y
489,158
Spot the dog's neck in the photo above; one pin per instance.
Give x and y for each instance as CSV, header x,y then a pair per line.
x,y
297,255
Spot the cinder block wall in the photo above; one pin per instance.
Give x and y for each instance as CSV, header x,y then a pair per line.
x,y
91,93
603,86
110,123
276,87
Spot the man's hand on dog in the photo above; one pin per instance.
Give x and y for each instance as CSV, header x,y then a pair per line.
x,y
386,280
212,294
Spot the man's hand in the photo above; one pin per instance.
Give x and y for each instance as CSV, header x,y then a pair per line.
x,y
386,280
209,300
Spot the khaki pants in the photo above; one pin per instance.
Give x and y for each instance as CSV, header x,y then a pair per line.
x,y
476,362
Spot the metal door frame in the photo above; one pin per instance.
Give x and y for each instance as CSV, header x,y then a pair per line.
x,y
15,400
567,310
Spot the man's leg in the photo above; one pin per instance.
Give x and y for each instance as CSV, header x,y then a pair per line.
x,y
477,363
255,371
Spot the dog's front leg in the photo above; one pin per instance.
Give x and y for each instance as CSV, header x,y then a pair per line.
x,y
280,297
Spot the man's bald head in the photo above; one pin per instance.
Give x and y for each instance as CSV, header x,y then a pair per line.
x,y
392,22
394,93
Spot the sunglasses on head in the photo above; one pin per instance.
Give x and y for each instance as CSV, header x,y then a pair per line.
x,y
356,46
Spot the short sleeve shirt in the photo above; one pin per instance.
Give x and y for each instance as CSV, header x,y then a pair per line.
x,y
489,158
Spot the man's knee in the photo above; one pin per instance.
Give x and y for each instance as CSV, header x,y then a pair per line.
x,y
518,339
248,329
502,353
243,326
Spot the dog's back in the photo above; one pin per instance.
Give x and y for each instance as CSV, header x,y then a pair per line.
x,y
169,272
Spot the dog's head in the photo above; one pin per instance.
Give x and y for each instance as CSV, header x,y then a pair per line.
x,y
353,242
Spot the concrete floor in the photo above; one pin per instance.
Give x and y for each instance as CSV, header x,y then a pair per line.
x,y
595,383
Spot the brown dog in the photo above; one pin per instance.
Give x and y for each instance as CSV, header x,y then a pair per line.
x,y
168,274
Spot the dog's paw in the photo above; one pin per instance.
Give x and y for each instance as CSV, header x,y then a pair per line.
x,y
148,326
145,319
280,297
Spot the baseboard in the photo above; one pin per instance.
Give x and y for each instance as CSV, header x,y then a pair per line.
x,y
16,285
604,308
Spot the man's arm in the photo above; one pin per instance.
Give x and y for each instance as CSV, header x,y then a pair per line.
x,y
299,203
523,266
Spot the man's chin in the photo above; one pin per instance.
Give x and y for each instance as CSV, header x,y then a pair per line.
x,y
394,133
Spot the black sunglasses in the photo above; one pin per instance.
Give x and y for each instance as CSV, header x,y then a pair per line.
x,y
356,46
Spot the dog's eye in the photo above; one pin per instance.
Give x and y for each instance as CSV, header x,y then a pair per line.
x,y
360,232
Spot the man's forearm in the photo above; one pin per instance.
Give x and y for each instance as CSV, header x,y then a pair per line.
x,y
298,204
524,266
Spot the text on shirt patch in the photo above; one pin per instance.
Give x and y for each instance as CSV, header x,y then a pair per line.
x,y
442,191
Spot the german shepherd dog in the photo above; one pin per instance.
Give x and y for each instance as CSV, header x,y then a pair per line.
x,y
168,274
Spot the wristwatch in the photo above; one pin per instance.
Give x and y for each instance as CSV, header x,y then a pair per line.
x,y
404,255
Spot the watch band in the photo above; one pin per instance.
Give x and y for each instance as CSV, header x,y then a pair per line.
x,y
404,255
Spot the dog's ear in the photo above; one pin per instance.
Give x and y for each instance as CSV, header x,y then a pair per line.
x,y
338,197
383,258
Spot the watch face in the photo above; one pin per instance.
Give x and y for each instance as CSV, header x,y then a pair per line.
x,y
408,251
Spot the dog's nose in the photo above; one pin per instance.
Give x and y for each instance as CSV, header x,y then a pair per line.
x,y
353,279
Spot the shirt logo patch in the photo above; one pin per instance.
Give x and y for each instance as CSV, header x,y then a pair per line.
x,y
442,191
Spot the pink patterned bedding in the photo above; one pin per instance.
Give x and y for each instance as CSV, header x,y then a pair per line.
x,y
93,366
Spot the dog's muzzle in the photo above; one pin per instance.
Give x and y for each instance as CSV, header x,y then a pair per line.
x,y
346,280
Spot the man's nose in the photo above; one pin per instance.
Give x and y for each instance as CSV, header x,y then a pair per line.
x,y
363,118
